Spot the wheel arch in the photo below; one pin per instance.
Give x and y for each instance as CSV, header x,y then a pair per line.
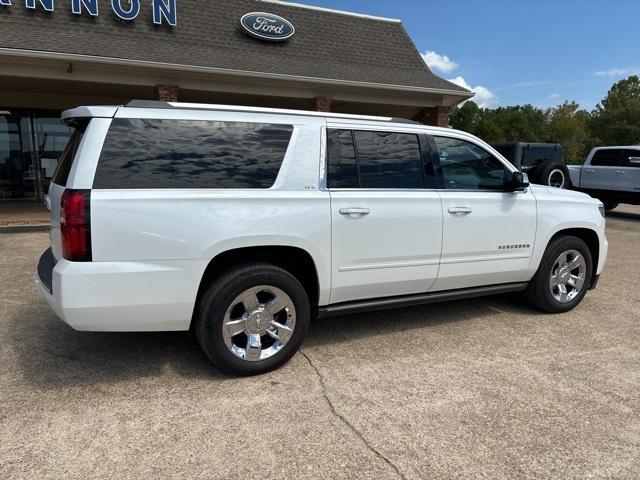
x,y
295,260
588,236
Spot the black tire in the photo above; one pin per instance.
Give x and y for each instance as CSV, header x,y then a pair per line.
x,y
215,301
609,204
550,174
539,292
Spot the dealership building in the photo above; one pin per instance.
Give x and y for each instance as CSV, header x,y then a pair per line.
x,y
57,54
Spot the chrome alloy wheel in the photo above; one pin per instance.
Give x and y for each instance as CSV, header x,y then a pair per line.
x,y
556,178
259,323
568,276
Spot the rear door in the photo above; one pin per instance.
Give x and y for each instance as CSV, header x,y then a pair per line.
x,y
631,182
605,172
386,213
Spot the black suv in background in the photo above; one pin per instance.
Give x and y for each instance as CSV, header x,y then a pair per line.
x,y
543,162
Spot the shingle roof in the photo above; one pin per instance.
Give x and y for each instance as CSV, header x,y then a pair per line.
x,y
326,45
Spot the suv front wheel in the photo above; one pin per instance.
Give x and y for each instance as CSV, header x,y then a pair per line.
x,y
563,276
252,319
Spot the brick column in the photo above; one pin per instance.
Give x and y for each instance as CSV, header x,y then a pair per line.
x,y
167,93
321,104
435,116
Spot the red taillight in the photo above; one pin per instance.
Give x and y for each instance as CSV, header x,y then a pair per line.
x,y
75,225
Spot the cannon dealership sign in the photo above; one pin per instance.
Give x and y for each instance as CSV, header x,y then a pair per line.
x,y
164,11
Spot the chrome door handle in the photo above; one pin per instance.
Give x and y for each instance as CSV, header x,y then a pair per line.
x,y
355,211
589,170
620,172
461,210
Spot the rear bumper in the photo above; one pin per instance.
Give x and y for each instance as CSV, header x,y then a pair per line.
x,y
122,296
45,269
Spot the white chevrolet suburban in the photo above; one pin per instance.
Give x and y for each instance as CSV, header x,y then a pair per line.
x,y
244,223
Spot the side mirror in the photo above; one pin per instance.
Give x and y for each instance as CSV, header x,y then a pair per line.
x,y
516,182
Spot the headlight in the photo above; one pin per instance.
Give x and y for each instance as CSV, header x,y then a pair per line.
x,y
601,208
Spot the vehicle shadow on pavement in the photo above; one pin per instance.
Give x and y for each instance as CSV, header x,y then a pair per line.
x,y
52,355
620,215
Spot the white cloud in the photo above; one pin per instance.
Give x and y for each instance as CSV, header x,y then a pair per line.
x,y
442,63
553,96
483,96
617,72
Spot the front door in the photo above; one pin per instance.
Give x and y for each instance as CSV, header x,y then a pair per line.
x,y
386,214
488,233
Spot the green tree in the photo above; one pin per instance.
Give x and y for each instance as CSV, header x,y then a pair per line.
x,y
568,125
616,120
465,117
503,124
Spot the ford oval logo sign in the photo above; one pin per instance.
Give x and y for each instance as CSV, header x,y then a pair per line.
x,y
267,26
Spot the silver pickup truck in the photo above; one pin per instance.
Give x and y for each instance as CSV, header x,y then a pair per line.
x,y
610,174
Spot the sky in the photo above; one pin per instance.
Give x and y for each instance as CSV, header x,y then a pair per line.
x,y
514,52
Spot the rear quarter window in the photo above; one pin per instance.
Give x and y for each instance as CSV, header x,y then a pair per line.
x,y
61,174
143,153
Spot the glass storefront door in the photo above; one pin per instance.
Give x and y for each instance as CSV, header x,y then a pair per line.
x,y
31,143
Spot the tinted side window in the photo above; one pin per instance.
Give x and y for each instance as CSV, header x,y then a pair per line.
x,y
389,160
142,153
466,166
533,156
343,169
632,158
506,151
607,158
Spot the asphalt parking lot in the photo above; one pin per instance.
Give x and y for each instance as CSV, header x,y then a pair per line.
x,y
486,388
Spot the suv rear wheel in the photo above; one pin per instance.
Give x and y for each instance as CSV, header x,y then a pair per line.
x,y
252,319
563,276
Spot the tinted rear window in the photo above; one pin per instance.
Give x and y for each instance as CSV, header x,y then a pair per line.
x,y
537,155
61,175
142,153
505,151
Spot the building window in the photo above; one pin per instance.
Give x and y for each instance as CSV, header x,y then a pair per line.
x,y
31,143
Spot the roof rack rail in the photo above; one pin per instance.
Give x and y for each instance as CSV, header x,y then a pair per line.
x,y
404,120
189,106
148,104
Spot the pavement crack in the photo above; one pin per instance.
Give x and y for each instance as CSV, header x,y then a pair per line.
x,y
349,425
